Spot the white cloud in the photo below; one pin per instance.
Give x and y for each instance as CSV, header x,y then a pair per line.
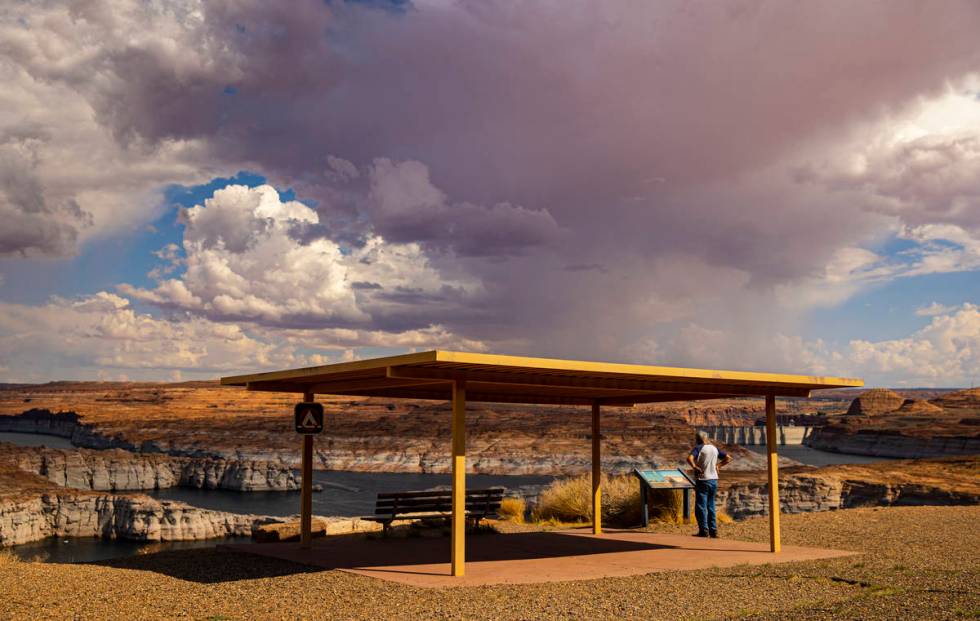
x,y
65,176
78,337
245,260
944,353
102,336
934,309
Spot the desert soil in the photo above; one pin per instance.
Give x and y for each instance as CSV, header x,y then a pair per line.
x,y
917,563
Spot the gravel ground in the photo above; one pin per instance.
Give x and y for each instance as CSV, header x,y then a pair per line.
x,y
918,563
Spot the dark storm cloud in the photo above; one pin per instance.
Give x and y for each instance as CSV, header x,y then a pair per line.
x,y
520,143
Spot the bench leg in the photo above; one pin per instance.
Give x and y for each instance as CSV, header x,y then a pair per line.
x,y
384,528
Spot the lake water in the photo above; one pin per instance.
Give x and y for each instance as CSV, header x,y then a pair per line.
x,y
89,549
344,493
813,457
35,439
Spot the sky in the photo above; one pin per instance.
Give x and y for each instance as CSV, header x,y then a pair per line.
x,y
191,189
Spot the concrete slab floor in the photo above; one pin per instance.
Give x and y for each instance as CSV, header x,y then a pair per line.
x,y
525,558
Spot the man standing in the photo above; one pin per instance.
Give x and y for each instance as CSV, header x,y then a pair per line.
x,y
705,459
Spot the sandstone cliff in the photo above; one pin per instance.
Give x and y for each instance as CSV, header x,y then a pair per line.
x,y
118,470
109,516
887,443
882,423
950,481
370,437
875,401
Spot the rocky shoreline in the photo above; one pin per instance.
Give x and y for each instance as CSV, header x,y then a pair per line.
x,y
110,516
949,481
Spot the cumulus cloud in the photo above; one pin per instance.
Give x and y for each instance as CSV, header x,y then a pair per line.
x,y
65,173
944,353
242,261
102,336
78,338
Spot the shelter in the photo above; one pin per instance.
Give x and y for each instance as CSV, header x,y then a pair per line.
x,y
459,376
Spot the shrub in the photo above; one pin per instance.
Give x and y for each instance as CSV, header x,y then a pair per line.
x,y
570,500
512,509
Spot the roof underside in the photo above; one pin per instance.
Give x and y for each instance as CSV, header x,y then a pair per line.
x,y
510,379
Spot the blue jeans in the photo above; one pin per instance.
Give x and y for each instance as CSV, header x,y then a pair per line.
x,y
704,505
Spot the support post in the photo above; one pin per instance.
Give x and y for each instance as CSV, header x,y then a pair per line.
x,y
596,472
774,540
459,478
306,488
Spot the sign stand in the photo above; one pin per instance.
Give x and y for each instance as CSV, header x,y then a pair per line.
x,y
664,479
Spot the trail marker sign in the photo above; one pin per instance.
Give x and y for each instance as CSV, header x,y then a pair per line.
x,y
308,418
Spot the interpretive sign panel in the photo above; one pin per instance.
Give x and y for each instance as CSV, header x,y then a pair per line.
x,y
308,418
665,479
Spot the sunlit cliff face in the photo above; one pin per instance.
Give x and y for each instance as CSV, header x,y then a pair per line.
x,y
661,182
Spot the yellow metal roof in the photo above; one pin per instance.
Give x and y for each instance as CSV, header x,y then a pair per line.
x,y
514,379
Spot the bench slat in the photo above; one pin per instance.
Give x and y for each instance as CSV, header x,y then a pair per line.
x,y
414,502
489,491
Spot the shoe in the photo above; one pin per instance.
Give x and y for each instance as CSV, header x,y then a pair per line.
x,y
713,534
701,533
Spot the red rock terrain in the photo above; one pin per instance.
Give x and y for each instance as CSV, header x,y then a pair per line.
x,y
203,418
888,424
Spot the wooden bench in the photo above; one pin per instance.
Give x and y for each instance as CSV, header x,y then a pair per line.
x,y
391,506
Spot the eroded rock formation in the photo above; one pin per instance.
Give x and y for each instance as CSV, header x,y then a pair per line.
x,y
875,401
927,482
109,516
119,470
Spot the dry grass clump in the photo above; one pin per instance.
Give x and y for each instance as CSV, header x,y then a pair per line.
x,y
570,500
8,556
667,505
512,509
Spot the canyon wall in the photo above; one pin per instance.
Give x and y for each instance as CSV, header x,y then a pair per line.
x,y
885,444
120,470
108,516
846,487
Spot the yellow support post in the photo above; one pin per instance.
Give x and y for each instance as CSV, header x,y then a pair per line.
x,y
459,478
596,472
306,489
774,539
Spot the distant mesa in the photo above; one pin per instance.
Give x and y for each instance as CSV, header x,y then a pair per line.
x,y
875,401
919,406
961,399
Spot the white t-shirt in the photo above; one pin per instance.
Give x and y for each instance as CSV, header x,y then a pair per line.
x,y
706,456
